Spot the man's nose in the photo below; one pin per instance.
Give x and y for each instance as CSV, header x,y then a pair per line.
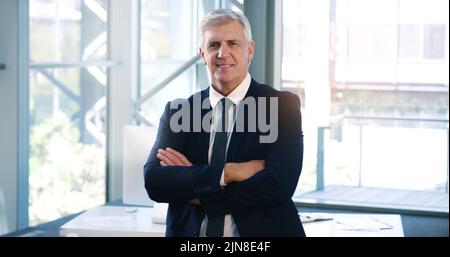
x,y
223,51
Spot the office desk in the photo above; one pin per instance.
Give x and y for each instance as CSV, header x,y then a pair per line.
x,y
356,225
116,221
107,221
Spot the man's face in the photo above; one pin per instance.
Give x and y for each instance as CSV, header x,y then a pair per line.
x,y
227,53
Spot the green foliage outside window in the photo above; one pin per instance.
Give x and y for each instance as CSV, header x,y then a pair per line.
x,y
66,176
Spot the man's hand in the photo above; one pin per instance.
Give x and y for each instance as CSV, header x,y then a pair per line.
x,y
236,172
170,157
233,172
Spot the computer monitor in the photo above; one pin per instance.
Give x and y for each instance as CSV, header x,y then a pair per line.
x,y
137,144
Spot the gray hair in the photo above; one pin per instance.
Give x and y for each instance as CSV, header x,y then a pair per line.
x,y
221,16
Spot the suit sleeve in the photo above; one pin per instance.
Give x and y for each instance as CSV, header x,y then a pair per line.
x,y
277,182
177,183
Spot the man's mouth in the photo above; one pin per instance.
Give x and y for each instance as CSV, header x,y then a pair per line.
x,y
224,65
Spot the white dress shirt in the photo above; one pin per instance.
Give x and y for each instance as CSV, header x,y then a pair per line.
x,y
236,97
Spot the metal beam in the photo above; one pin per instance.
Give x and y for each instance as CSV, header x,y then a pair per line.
x,y
237,4
60,85
142,119
167,80
320,174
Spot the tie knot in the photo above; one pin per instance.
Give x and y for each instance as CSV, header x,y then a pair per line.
x,y
226,104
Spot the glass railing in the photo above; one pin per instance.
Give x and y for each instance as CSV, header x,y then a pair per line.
x,y
386,152
397,164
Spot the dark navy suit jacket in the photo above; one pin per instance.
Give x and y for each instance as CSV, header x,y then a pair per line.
x,y
260,205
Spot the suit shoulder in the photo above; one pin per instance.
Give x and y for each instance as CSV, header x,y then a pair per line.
x,y
199,94
266,90
178,103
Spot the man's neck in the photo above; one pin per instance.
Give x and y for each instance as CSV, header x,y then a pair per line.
x,y
225,89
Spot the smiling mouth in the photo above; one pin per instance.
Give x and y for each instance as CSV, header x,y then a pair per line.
x,y
224,65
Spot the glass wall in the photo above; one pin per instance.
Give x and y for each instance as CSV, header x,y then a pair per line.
x,y
373,78
169,44
168,40
68,85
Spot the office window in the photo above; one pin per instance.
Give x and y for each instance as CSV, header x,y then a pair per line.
x,y
374,84
422,42
371,42
169,64
68,85
434,42
360,42
409,41
168,40
425,24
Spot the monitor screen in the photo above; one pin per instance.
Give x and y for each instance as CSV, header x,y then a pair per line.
x,y
137,144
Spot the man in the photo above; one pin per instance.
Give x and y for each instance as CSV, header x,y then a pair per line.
x,y
225,181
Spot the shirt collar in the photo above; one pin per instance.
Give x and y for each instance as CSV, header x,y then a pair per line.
x,y
235,96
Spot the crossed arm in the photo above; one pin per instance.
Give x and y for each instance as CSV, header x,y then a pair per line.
x,y
232,172
171,177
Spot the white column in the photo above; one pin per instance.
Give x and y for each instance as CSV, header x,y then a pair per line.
x,y
123,83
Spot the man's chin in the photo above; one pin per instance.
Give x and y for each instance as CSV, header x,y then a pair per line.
x,y
223,80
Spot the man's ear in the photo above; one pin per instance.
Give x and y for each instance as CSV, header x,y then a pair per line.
x,y
202,55
251,50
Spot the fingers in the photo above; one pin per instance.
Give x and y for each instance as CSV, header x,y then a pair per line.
x,y
180,156
170,157
174,158
165,158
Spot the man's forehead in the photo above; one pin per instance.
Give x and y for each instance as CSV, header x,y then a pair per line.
x,y
225,31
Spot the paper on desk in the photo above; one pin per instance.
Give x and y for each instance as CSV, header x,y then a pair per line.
x,y
362,223
110,221
306,217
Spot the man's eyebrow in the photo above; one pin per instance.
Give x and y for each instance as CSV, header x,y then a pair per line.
x,y
218,41
212,41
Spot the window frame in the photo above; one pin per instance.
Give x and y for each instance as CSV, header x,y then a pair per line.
x,y
25,67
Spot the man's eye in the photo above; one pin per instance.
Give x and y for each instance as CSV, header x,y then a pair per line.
x,y
214,45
